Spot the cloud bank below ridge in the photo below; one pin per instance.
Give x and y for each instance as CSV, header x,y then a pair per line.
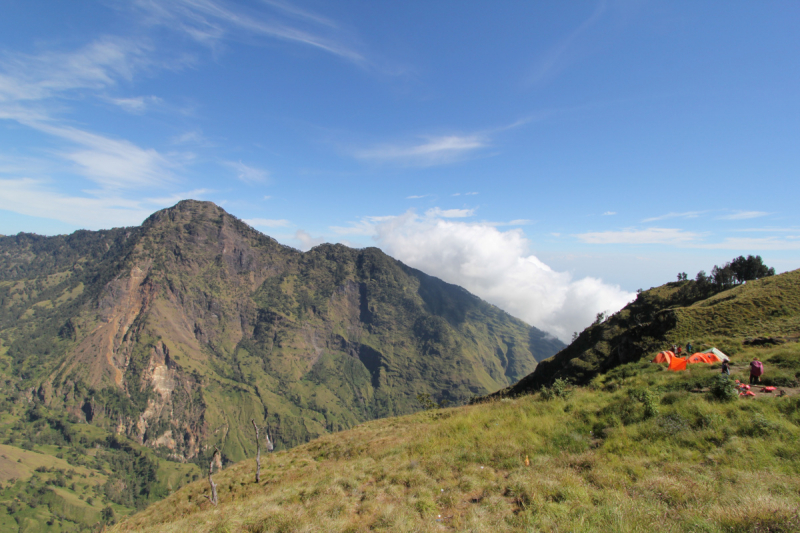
x,y
498,267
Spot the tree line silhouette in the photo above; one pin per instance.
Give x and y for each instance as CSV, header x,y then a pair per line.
x,y
735,272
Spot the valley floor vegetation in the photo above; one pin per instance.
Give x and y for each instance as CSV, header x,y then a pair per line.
x,y
637,449
58,475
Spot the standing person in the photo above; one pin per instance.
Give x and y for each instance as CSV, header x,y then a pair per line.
x,y
678,353
726,367
689,347
756,369
675,349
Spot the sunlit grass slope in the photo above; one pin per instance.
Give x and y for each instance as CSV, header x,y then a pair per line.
x,y
637,449
675,313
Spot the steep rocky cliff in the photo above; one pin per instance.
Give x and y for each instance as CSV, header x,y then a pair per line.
x,y
179,332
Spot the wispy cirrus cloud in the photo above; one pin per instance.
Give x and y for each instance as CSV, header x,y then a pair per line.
x,y
136,105
744,215
685,214
754,244
431,151
365,226
767,230
301,14
515,222
40,198
112,164
640,236
247,173
32,85
98,65
209,21
193,137
441,149
449,213
564,52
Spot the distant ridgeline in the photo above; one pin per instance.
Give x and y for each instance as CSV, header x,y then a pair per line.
x,y
720,309
178,333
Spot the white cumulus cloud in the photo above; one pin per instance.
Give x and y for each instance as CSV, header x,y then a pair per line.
x,y
498,267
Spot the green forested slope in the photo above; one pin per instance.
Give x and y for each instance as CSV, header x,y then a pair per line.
x,y
179,332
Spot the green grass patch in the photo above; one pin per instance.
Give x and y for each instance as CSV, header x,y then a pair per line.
x,y
649,455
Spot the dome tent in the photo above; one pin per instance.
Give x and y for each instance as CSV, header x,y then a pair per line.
x,y
719,354
663,357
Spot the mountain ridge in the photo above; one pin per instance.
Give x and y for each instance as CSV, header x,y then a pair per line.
x,y
158,330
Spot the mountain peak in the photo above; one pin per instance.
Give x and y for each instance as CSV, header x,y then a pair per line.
x,y
185,210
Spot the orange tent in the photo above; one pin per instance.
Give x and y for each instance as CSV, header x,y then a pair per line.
x,y
679,363
663,357
703,358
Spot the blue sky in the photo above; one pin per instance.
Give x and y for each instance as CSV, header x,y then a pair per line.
x,y
552,157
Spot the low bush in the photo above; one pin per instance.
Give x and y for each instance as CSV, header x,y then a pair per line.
x,y
559,389
646,397
723,389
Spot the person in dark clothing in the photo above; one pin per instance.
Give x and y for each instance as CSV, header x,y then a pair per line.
x,y
726,367
689,347
756,370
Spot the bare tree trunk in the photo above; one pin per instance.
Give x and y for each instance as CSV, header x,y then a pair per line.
x,y
258,452
215,459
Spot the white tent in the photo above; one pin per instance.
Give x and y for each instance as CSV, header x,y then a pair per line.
x,y
718,353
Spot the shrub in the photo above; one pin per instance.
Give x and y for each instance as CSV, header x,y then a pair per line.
x,y
723,389
559,389
646,397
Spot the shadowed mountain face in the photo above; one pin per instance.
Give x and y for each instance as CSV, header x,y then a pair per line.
x,y
179,332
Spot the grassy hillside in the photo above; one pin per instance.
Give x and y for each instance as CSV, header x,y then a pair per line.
x,y
677,313
636,449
